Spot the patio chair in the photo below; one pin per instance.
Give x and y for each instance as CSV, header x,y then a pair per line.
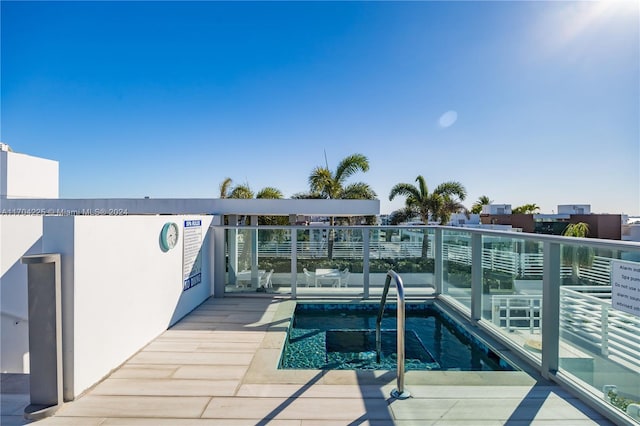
x,y
266,280
344,277
309,277
243,279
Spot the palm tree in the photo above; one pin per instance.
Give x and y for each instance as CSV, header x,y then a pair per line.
x,y
331,184
271,193
526,209
483,200
576,256
225,187
439,203
242,191
399,216
327,184
580,230
450,205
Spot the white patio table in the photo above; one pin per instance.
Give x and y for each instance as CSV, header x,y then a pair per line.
x,y
243,278
332,275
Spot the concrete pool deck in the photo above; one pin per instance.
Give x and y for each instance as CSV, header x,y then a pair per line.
x,y
218,366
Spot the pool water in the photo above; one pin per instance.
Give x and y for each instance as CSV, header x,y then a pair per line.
x,y
342,337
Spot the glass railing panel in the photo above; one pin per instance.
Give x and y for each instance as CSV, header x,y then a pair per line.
x,y
408,251
241,255
330,260
456,266
512,271
274,260
600,321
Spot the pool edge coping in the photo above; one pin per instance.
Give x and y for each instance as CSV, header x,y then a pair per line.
x,y
264,365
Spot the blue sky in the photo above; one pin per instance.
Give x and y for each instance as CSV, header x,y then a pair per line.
x,y
526,102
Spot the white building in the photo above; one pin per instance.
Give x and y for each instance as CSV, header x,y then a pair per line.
x,y
25,176
574,209
21,177
496,209
34,220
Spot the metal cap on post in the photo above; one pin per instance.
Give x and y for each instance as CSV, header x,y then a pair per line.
x,y
45,335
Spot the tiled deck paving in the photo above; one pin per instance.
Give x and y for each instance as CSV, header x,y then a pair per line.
x,y
218,367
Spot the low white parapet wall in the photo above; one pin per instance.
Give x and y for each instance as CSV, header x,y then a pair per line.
x,y
120,287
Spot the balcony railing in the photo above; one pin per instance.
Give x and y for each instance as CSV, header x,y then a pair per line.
x,y
518,264
549,298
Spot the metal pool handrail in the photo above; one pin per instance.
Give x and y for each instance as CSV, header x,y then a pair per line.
x,y
399,393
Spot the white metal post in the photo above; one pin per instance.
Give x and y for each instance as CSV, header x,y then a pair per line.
x,y
294,262
551,309
217,256
255,278
604,324
232,243
476,277
366,233
438,262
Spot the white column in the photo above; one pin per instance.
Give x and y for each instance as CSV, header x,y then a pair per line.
x,y
255,279
232,243
217,257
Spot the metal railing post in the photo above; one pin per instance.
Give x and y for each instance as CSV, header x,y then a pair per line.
x,y
551,309
218,257
253,233
366,241
476,277
438,262
294,262
604,330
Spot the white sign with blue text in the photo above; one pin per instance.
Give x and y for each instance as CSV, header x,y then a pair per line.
x,y
191,254
625,286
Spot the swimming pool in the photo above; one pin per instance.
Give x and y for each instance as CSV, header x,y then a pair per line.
x,y
340,336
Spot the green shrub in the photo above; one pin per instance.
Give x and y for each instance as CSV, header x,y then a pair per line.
x,y
619,401
401,266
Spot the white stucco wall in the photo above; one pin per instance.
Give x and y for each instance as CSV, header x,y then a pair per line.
x,y
19,236
25,176
120,290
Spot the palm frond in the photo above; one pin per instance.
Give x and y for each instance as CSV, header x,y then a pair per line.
x,y
422,187
270,193
242,191
358,191
225,185
350,165
452,188
404,189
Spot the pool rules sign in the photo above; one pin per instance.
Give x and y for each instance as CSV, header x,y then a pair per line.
x,y
191,254
625,286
